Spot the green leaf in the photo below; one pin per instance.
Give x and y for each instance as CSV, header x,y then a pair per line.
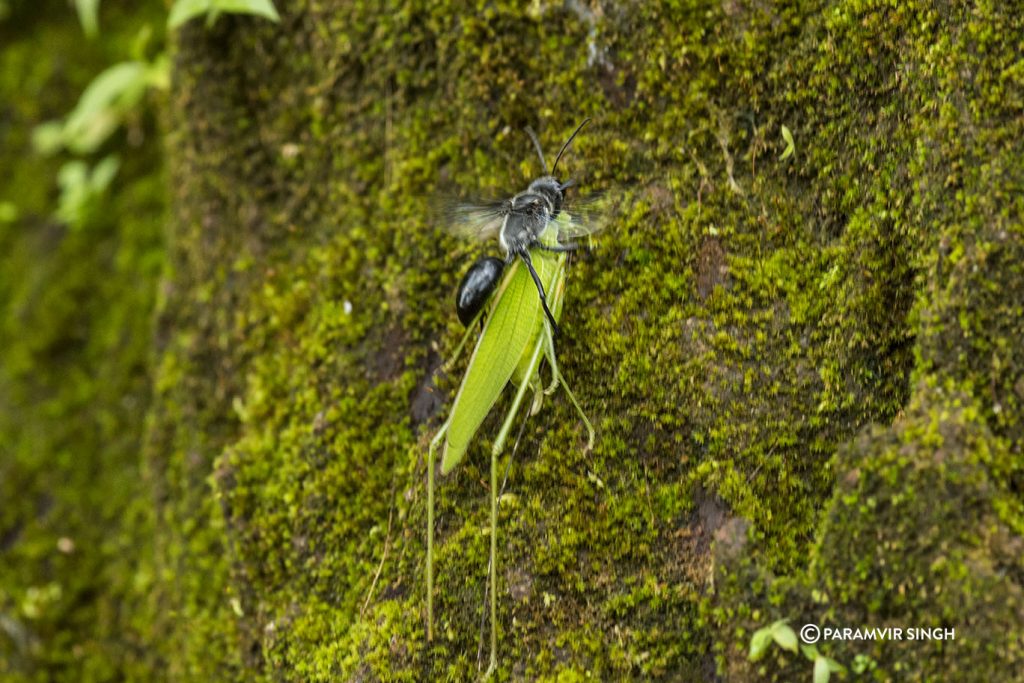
x,y
759,643
184,10
73,174
89,16
785,637
103,174
8,212
140,42
81,188
790,145
73,178
821,670
861,663
48,138
158,75
259,8
102,106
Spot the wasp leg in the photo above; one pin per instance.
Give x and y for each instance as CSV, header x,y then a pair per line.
x,y
525,255
558,249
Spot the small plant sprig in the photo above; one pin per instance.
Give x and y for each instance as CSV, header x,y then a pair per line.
x,y
185,10
787,135
782,635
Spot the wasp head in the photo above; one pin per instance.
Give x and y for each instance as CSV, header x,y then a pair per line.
x,y
552,190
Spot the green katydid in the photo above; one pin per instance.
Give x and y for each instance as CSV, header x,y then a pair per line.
x,y
523,303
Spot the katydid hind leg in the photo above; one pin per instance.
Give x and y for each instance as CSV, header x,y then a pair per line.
x,y
558,248
506,426
579,410
557,378
501,492
538,398
549,353
499,444
557,299
494,562
431,466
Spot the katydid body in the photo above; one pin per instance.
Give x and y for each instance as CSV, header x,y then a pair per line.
x,y
515,338
522,300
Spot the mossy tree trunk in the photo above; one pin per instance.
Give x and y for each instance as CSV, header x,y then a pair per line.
x,y
805,372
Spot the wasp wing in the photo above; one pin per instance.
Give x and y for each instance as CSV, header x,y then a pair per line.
x,y
585,216
476,220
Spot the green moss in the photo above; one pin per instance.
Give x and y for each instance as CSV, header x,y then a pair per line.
x,y
917,535
924,526
742,319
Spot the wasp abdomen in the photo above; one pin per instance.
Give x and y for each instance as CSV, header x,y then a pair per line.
x,y
476,287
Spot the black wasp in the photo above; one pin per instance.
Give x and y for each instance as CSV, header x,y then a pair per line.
x,y
518,223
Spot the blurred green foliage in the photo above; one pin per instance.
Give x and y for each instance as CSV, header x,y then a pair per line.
x,y
81,249
108,100
89,16
82,189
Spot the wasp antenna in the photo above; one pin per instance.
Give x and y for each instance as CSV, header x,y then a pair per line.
x,y
567,142
536,145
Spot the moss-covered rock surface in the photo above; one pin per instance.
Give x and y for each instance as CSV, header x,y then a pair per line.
x,y
804,366
815,358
